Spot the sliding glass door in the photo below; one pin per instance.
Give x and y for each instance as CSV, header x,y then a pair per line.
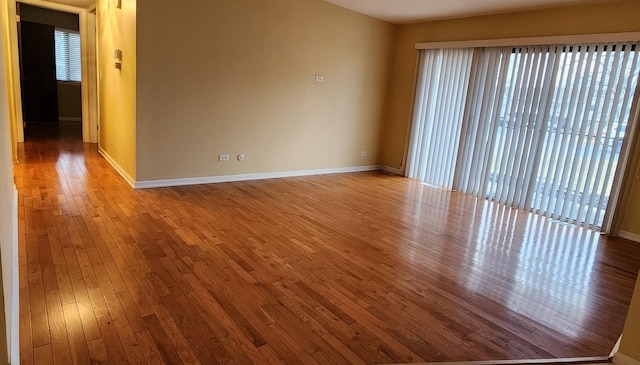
x,y
538,128
444,76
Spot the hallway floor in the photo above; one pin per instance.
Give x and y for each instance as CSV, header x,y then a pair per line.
x,y
347,269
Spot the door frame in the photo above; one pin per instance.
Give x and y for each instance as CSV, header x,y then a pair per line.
x,y
88,83
94,77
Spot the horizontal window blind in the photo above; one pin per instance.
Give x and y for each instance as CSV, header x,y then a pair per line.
x,y
67,49
541,128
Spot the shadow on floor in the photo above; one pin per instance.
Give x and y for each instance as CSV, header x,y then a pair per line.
x,y
37,131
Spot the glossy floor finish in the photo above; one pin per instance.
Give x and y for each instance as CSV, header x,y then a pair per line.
x,y
348,269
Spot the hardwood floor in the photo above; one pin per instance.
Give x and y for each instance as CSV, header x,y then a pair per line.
x,y
348,269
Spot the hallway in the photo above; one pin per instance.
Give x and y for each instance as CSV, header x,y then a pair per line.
x,y
355,268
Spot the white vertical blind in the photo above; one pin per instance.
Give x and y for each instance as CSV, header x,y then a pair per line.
x,y
540,128
439,105
67,49
511,121
480,120
591,108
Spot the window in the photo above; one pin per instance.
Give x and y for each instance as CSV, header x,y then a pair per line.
x,y
67,55
538,128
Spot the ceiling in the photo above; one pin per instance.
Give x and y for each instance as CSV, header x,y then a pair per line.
x,y
413,11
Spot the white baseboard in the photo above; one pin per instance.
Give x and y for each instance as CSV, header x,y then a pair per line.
x,y
117,167
616,348
622,359
553,361
629,236
392,170
147,184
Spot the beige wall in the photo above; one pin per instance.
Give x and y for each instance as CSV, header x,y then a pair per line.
x,y
603,18
117,30
229,77
631,334
631,217
629,221
69,101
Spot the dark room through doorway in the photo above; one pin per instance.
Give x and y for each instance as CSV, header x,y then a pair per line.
x,y
50,69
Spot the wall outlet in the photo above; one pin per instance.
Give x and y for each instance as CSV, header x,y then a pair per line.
x,y
319,78
223,157
363,153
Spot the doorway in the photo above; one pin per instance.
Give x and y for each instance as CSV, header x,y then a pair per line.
x,y
50,68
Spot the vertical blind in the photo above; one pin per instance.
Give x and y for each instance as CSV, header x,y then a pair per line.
x,y
539,128
440,104
67,48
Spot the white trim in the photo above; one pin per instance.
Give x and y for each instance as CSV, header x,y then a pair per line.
x,y
629,236
70,119
147,184
571,360
392,170
13,342
623,359
535,41
92,74
87,123
117,167
13,63
616,348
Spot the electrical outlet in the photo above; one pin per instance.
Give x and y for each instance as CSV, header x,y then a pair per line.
x,y
363,153
223,157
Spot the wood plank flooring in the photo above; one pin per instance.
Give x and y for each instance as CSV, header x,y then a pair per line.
x,y
358,268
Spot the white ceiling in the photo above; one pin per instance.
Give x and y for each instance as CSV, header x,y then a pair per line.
x,y
412,11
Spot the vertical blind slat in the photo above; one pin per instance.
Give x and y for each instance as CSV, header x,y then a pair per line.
x,y
601,126
621,89
559,140
584,136
570,148
607,107
544,126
